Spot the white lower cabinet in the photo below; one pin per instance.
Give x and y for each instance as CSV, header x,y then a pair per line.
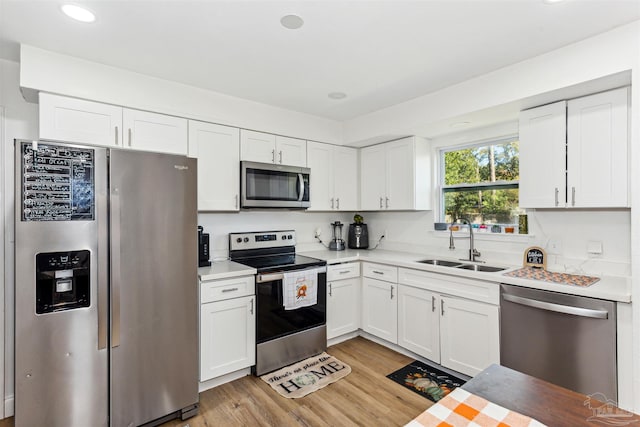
x,y
380,309
469,335
419,321
227,326
343,299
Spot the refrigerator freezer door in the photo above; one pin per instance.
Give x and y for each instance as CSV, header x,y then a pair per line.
x,y
61,358
154,286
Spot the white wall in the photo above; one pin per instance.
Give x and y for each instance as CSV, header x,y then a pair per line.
x,y
52,72
21,121
609,53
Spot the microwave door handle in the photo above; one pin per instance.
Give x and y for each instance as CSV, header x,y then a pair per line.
x,y
300,187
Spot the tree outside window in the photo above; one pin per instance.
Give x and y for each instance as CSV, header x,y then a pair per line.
x,y
480,183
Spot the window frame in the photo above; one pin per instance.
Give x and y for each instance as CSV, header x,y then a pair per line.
x,y
497,185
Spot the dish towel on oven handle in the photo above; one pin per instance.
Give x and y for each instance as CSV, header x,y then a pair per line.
x,y
300,288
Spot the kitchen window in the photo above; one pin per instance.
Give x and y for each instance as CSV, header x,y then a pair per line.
x,y
480,184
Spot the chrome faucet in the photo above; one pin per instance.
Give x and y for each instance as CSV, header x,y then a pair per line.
x,y
473,252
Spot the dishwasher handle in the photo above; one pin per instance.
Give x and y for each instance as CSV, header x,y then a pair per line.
x,y
558,308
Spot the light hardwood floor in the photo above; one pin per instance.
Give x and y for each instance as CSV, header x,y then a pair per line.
x,y
363,398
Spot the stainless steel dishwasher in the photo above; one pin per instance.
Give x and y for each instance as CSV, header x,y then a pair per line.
x,y
564,339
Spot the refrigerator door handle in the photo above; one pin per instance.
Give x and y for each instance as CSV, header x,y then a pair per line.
x,y
115,268
103,284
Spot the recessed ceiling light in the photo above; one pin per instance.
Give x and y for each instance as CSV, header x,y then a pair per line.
x,y
292,22
78,13
337,95
552,1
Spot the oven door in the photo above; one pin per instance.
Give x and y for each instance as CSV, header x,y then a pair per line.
x,y
264,185
273,321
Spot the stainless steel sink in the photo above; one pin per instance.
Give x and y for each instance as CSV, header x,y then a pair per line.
x,y
479,267
441,262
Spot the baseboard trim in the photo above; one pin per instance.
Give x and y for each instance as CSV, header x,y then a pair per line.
x,y
223,379
8,406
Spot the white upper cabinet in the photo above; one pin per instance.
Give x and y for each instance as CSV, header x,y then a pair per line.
x,y
154,132
83,122
87,122
575,153
267,148
217,149
396,175
597,148
334,177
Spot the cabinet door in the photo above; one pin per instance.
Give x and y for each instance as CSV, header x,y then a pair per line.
x,y
400,175
227,336
345,178
257,146
469,335
597,150
419,321
291,151
543,156
380,309
75,120
373,181
319,160
155,132
343,303
217,149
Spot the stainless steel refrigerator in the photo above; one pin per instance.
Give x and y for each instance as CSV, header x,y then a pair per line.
x,y
106,286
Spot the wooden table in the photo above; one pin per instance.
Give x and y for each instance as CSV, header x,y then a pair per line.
x,y
548,403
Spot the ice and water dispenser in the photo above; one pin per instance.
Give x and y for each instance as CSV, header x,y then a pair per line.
x,y
62,281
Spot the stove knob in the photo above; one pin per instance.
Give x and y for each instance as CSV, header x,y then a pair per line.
x,y
239,240
284,237
246,239
289,237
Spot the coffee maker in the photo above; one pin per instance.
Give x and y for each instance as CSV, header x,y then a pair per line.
x,y
358,236
203,248
337,243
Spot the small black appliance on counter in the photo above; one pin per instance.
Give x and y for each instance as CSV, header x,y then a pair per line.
x,y
203,248
358,236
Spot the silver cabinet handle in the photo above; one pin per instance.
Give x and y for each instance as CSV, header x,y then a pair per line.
x,y
558,308
332,203
380,202
338,203
229,290
442,307
573,196
251,309
116,135
557,202
433,303
273,156
280,154
236,201
392,291
129,137
343,272
386,202
377,272
330,290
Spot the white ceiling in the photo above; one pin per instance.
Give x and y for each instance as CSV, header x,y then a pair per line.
x,y
380,53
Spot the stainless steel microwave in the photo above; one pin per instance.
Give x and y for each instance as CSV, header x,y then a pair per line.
x,y
266,185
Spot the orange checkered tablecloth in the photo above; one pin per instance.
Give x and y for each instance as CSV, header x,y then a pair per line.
x,y
463,409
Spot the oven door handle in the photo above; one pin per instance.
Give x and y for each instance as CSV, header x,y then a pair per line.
x,y
272,277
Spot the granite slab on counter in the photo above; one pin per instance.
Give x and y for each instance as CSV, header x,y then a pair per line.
x,y
225,270
608,287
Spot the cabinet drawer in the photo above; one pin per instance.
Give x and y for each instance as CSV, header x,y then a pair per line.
x,y
218,290
380,272
343,271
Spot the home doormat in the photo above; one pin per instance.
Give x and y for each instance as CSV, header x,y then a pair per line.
x,y
426,380
307,376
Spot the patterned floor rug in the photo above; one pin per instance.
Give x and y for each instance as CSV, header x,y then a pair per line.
x,y
426,380
307,376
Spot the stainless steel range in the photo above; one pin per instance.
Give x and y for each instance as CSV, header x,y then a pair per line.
x,y
290,320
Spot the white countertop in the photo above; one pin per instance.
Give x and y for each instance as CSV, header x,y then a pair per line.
x,y
609,287
224,270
